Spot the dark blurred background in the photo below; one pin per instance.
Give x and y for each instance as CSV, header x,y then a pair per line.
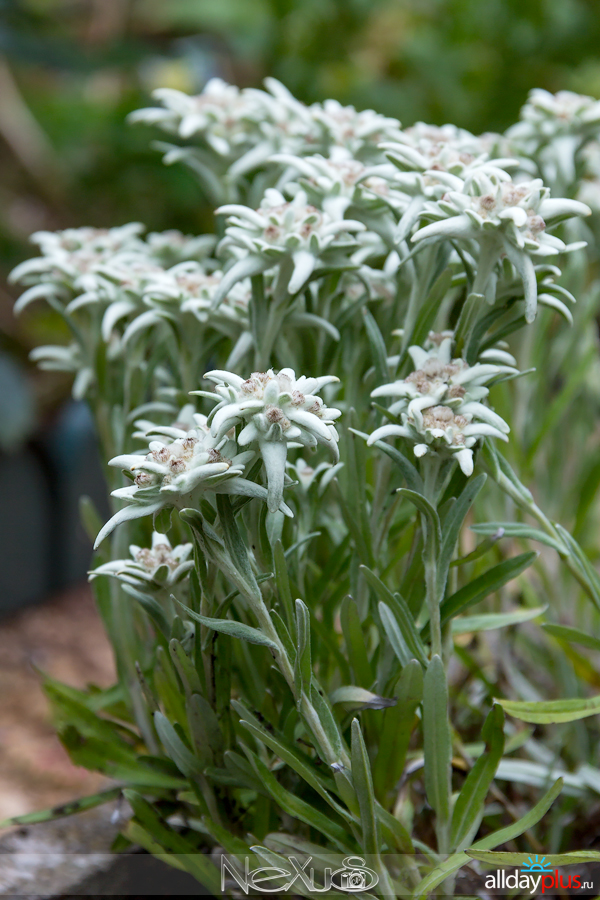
x,y
71,70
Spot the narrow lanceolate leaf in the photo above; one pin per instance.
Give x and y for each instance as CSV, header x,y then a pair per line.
x,y
354,697
363,785
453,524
302,667
398,724
495,839
290,755
394,634
234,541
228,626
546,712
585,571
520,530
283,586
188,764
489,621
63,809
409,472
296,807
356,649
377,345
437,744
327,720
573,635
397,621
468,809
165,838
480,550
430,513
500,858
482,587
428,311
531,818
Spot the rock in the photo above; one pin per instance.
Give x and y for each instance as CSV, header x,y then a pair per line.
x,y
71,858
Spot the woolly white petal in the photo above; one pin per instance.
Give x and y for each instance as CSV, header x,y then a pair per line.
x,y
388,431
465,461
125,515
304,265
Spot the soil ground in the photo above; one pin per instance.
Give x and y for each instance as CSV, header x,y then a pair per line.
x,y
64,638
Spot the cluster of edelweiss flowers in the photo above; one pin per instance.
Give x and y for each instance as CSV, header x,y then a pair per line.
x,y
338,190
439,406
244,128
271,412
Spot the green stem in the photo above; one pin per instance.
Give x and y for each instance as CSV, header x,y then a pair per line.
x,y
432,589
265,343
433,597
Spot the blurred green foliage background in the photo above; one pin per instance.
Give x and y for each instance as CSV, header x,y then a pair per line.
x,y
70,71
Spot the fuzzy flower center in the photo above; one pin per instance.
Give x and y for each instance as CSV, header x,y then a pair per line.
x,y
160,555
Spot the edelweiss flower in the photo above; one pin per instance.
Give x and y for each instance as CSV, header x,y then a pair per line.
x,y
307,475
428,161
553,130
359,132
172,246
547,115
174,470
504,218
242,128
118,285
285,230
68,256
336,183
54,358
222,114
440,403
445,148
153,569
192,289
275,409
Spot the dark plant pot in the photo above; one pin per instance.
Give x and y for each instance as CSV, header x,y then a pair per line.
x,y
43,545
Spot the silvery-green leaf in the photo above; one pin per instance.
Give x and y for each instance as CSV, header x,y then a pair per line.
x,y
358,698
490,621
234,629
437,742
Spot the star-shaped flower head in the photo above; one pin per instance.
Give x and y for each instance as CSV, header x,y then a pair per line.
x,y
507,218
446,148
335,183
176,471
553,130
224,116
426,161
152,569
239,128
172,246
360,132
69,256
274,410
546,116
440,405
190,287
281,230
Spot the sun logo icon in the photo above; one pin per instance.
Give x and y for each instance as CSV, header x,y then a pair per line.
x,y
537,865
